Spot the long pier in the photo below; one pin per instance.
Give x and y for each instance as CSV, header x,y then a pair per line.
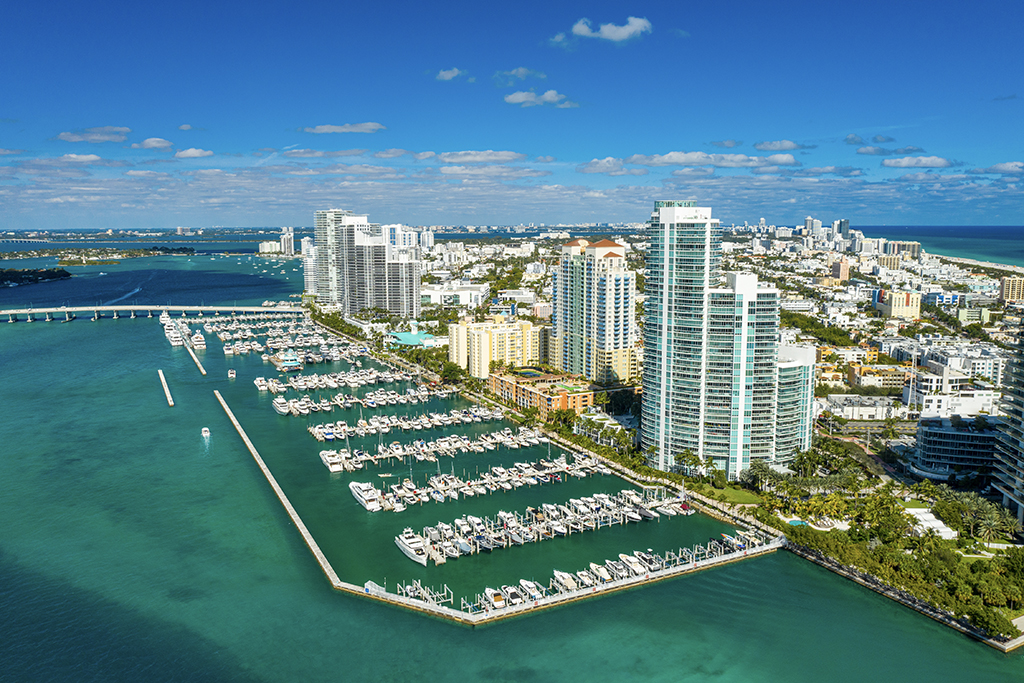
x,y
432,603
135,310
167,391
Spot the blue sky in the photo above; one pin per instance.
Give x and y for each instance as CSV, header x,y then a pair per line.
x,y
258,113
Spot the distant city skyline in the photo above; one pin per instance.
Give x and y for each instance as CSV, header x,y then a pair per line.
x,y
253,115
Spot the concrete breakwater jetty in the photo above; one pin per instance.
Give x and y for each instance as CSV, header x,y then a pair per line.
x,y
437,603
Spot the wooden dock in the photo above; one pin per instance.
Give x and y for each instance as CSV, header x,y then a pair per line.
x,y
167,391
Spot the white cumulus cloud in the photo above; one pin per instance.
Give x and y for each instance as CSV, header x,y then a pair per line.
x,y
81,158
316,153
610,166
521,73
97,134
528,98
192,153
487,156
633,27
390,153
780,146
718,160
147,174
448,74
11,151
1005,167
153,143
368,127
854,139
489,172
185,126
917,162
727,144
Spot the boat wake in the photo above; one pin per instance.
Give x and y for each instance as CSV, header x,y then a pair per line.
x,y
122,298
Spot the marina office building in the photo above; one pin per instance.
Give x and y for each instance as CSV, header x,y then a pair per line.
x,y
361,265
711,354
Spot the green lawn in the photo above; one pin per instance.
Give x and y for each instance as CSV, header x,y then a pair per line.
x,y
742,496
913,503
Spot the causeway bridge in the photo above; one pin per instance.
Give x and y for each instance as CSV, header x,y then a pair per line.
x,y
135,311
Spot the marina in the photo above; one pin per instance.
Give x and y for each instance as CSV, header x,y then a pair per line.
x,y
520,464
493,604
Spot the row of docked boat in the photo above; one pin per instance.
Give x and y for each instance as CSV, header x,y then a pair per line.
x,y
242,348
469,535
383,424
352,379
178,333
445,487
639,563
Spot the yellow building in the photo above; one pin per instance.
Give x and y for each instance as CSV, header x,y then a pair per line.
x,y
474,346
885,376
1011,289
892,262
903,305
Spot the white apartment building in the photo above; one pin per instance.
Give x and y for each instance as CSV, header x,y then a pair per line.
x,y
948,392
358,267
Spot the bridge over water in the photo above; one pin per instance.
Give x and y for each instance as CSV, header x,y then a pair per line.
x,y
136,310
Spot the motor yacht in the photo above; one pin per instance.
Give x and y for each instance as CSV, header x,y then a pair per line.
x,y
412,545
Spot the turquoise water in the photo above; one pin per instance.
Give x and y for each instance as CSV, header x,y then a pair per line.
x,y
132,550
998,244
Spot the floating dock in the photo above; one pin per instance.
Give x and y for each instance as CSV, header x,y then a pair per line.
x,y
167,391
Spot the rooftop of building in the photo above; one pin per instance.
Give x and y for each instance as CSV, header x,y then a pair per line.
x,y
963,423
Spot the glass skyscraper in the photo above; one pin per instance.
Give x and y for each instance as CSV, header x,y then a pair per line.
x,y
1010,446
710,348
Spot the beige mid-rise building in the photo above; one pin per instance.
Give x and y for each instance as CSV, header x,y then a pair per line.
x,y
474,346
1011,289
903,305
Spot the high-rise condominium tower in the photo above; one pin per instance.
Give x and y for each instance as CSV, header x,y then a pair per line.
x,y
357,267
710,348
594,318
1010,446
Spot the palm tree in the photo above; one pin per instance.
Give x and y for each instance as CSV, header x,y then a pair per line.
x,y
1009,524
761,473
989,526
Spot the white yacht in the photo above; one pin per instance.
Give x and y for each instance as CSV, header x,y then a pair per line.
x,y
206,432
531,588
369,497
565,580
600,572
412,545
281,406
494,597
633,564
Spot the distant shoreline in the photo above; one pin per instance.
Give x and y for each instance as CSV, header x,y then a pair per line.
x,y
983,264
